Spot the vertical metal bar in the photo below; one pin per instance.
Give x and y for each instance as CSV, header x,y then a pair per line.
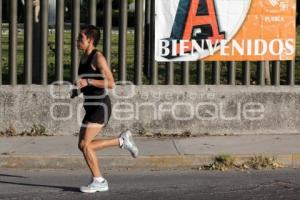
x,y
147,42
75,32
36,51
291,72
170,73
92,12
59,40
123,39
154,74
216,73
231,73
276,73
201,72
261,73
153,63
149,62
107,30
268,80
13,10
44,40
28,41
185,73
246,73
0,42
138,40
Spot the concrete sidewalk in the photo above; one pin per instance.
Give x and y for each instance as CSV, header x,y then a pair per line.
x,y
62,152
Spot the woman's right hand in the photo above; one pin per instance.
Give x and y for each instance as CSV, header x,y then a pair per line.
x,y
81,83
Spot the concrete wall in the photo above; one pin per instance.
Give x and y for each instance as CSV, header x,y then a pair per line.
x,y
215,110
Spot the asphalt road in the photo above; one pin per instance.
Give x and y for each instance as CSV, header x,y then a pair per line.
x,y
156,185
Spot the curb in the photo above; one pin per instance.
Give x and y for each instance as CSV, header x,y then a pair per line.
x,y
114,162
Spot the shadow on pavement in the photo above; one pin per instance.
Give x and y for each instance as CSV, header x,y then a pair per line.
x,y
64,188
14,176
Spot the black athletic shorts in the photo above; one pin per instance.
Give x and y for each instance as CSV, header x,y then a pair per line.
x,y
97,111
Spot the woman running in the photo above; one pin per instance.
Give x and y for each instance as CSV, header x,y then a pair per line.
x,y
94,78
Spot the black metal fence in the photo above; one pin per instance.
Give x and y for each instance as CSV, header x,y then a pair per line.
x,y
144,69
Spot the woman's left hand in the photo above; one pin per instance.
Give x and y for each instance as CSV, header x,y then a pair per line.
x,y
81,83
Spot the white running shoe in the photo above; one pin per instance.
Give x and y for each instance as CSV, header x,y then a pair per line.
x,y
95,186
129,144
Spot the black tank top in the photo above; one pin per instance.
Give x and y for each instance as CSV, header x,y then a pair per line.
x,y
86,71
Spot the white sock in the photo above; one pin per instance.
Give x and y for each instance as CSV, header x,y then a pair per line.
x,y
121,141
99,179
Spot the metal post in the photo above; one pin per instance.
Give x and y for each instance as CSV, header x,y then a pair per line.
x,y
13,10
185,73
149,62
123,39
201,72
0,42
36,52
153,63
170,73
44,40
139,6
92,12
154,74
28,31
75,32
276,73
59,40
268,80
231,73
291,72
216,73
246,73
147,43
107,30
261,73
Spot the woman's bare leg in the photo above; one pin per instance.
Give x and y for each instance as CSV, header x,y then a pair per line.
x,y
99,144
87,134
88,145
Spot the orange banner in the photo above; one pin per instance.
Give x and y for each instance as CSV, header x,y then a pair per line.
x,y
231,30
275,26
